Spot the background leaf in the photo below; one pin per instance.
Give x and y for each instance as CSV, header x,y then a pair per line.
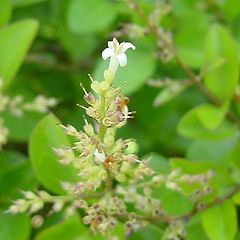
x,y
192,126
16,174
169,198
140,60
169,93
69,229
222,81
210,115
149,232
90,16
14,227
220,222
15,40
5,11
46,136
20,3
192,54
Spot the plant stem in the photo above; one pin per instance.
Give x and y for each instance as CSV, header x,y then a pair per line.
x,y
102,127
101,134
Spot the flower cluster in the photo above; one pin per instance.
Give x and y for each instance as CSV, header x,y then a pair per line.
x,y
34,202
17,106
115,188
100,159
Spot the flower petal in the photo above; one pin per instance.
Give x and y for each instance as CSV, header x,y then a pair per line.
x,y
115,44
127,45
99,156
122,59
107,52
110,44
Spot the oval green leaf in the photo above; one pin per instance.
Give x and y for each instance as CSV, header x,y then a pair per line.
x,y
16,174
220,222
15,41
5,11
90,16
210,116
70,229
46,136
221,81
192,126
14,227
191,54
169,198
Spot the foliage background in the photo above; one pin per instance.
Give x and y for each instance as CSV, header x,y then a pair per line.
x,y
49,46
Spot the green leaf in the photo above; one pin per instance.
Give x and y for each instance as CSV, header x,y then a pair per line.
x,y
9,159
211,151
230,8
169,93
15,177
234,156
169,198
140,67
236,198
12,54
46,136
188,167
220,222
238,236
5,11
90,16
210,116
194,229
21,3
222,81
158,163
191,54
191,126
149,232
70,229
27,122
14,227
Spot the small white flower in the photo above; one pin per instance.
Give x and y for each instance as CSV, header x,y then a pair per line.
x,y
117,50
99,156
116,53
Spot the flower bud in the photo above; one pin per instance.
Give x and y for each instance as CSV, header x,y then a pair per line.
x,y
37,221
90,99
87,219
96,87
70,130
121,177
29,195
88,128
58,205
36,206
44,195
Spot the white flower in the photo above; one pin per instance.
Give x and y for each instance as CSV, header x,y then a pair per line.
x,y
116,53
99,156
